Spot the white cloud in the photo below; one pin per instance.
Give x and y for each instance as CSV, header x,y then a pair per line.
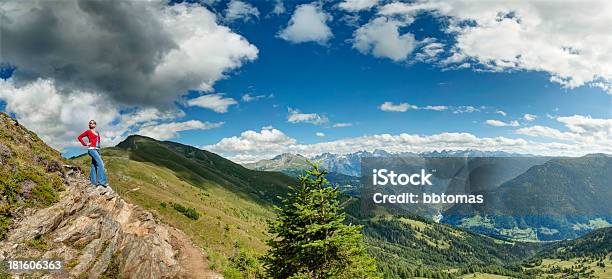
x,y
465,109
240,10
250,98
402,107
251,146
279,7
389,106
215,102
430,52
529,117
436,108
308,24
341,124
497,123
381,38
543,131
357,5
206,51
580,130
166,131
320,134
566,39
501,112
296,116
57,118
61,117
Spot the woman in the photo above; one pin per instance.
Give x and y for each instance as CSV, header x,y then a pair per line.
x,y
97,175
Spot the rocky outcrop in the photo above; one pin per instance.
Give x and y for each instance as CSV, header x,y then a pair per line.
x,y
98,234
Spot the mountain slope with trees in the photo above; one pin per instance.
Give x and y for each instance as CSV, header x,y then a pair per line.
x,y
562,198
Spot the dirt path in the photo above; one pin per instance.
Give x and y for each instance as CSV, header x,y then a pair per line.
x,y
191,258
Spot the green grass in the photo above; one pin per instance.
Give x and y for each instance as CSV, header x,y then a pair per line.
x,y
585,267
37,242
30,172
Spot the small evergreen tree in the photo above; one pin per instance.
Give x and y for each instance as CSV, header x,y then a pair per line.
x,y
311,239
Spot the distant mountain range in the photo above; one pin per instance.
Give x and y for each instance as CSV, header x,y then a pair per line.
x,y
350,164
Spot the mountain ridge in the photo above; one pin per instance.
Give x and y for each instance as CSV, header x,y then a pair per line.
x,y
349,164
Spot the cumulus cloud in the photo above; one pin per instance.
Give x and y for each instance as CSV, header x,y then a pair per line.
x,y
59,117
308,24
215,102
581,130
357,5
144,53
381,37
529,117
320,134
501,112
296,116
166,131
251,146
497,123
240,10
567,40
389,106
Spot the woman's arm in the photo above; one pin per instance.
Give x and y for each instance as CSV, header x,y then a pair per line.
x,y
80,138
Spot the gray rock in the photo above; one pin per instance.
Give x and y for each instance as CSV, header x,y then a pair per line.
x,y
5,153
101,233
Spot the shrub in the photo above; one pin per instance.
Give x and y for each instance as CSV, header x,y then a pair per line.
x,y
190,212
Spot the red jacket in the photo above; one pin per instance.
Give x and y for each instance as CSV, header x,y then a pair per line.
x,y
94,138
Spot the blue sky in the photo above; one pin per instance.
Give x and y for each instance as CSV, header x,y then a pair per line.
x,y
341,81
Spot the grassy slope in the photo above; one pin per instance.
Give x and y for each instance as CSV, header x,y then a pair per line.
x,y
30,171
234,203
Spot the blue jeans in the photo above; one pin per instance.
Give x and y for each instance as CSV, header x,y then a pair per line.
x,y
97,175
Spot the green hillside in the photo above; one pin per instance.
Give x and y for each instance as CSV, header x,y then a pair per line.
x,y
409,245
597,243
197,166
233,203
30,172
589,256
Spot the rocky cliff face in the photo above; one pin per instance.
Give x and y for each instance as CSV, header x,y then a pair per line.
x,y
95,234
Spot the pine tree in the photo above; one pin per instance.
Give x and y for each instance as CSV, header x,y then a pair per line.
x,y
311,239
